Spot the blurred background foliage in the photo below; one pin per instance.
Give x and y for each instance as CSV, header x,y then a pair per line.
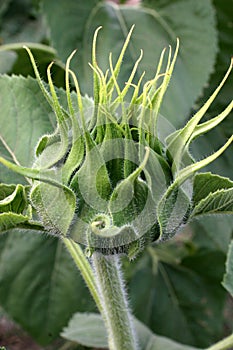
x,y
175,288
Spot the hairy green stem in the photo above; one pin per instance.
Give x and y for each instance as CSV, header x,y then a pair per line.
x,y
107,289
226,343
114,303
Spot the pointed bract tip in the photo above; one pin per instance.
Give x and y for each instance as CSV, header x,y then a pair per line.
x,y
131,31
71,55
50,65
25,47
98,29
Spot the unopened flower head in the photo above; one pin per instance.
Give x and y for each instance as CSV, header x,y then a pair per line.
x,y
104,177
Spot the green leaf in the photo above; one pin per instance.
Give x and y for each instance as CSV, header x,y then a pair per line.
x,y
22,104
212,232
14,60
228,277
192,21
21,21
179,297
73,12
40,288
224,13
7,59
11,220
219,202
212,194
201,262
3,7
86,329
13,198
89,330
206,183
14,207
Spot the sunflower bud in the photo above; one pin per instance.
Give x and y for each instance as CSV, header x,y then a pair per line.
x,y
104,178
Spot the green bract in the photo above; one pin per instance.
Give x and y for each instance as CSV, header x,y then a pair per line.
x,y
104,178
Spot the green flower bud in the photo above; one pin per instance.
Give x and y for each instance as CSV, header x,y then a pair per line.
x,y
104,178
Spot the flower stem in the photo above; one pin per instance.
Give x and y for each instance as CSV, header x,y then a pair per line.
x,y
107,289
113,299
226,343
